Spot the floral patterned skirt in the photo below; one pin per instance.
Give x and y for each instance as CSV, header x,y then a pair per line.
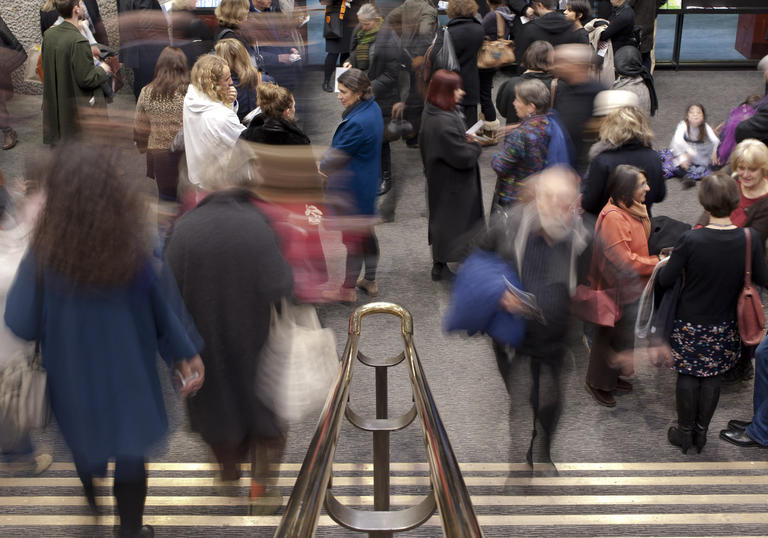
x,y
705,350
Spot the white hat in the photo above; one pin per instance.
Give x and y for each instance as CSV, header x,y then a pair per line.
x,y
763,65
609,100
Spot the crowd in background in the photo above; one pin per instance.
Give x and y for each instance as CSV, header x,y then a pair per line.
x,y
243,199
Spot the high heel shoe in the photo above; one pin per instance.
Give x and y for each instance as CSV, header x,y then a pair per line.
x,y
681,436
699,437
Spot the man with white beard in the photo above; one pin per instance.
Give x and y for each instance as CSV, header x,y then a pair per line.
x,y
541,240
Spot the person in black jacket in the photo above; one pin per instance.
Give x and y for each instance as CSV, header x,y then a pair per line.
x,y
549,25
625,138
337,48
276,125
189,32
621,27
467,37
757,125
537,62
12,55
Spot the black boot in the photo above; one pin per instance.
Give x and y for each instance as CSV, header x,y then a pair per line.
x,y
699,437
681,436
327,86
386,183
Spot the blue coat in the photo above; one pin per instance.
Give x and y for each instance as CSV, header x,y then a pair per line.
x,y
99,347
359,137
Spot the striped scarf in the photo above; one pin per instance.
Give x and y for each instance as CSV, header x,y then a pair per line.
x,y
364,41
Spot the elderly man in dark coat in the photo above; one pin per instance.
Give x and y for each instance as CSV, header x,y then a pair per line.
x,y
70,80
230,271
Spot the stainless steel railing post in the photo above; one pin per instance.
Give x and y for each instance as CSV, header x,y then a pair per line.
x,y
381,450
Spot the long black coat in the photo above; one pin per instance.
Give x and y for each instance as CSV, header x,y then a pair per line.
x,y
467,36
453,183
229,269
595,188
384,64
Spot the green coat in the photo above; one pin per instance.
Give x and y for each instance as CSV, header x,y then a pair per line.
x,y
70,80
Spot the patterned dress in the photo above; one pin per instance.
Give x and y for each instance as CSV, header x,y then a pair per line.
x,y
524,153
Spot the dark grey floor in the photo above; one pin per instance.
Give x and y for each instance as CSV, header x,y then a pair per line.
x,y
484,423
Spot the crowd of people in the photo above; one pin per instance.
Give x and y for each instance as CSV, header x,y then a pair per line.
x,y
104,282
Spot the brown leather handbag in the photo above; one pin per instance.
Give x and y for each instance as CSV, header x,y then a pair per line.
x,y
749,309
499,52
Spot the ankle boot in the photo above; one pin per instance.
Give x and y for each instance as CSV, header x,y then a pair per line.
x,y
681,436
699,437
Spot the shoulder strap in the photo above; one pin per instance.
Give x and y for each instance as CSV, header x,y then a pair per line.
x,y
500,26
552,93
748,264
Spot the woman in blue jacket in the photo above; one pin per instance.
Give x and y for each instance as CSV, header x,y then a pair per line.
x,y
353,167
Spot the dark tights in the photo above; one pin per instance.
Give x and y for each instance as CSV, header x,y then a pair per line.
x,y
361,249
129,489
697,399
332,59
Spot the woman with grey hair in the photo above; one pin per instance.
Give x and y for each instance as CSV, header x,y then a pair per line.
x,y
526,146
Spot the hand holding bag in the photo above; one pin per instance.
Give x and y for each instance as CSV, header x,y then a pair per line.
x,y
749,309
499,52
298,365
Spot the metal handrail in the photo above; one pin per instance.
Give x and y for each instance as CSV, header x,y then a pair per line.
x,y
452,498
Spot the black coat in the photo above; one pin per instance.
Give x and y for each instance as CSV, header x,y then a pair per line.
x,y
191,35
621,28
756,126
552,27
229,269
454,195
384,65
12,56
574,104
276,131
505,97
467,36
595,187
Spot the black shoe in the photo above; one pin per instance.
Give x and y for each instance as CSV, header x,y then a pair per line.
x,y
739,438
738,425
681,436
144,532
386,184
327,86
440,271
699,437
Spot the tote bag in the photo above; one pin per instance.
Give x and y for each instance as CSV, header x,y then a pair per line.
x,y
298,365
24,394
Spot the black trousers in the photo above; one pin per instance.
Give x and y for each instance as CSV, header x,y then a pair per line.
x,y
362,249
333,59
697,399
486,94
129,489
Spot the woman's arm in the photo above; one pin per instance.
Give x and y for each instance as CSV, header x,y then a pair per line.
x,y
615,238
505,161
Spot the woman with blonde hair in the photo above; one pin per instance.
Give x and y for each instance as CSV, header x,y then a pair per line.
x,y
625,138
276,124
230,14
211,126
245,76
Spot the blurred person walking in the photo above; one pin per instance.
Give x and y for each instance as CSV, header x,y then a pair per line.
x,y
454,194
211,126
353,167
625,138
227,235
70,78
90,272
705,339
245,77
12,56
415,23
541,239
467,35
188,31
620,263
526,146
159,117
376,50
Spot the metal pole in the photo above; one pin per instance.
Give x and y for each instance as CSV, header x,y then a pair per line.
x,y
381,451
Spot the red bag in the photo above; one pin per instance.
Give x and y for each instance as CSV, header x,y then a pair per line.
x,y
749,309
596,306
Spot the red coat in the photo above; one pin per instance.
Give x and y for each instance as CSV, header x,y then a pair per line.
x,y
620,258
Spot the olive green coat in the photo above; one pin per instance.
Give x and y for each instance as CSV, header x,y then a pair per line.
x,y
70,80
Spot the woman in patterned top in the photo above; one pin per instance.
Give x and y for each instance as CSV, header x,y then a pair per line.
x,y
525,147
159,113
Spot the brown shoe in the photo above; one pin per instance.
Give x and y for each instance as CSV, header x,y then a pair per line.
x,y
10,139
603,397
341,295
368,286
623,386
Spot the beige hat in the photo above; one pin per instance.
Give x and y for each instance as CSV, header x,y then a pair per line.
x,y
763,64
609,100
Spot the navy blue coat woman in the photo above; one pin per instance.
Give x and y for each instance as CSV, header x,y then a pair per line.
x,y
99,348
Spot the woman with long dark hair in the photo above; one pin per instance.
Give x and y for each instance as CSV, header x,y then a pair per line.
x,y
89,293
454,195
159,116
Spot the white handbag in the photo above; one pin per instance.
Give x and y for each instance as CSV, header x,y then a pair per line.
x,y
299,363
24,402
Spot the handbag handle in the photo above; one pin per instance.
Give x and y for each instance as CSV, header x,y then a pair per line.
x,y
500,33
748,261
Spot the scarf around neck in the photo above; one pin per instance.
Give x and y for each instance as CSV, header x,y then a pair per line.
x,y
640,212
